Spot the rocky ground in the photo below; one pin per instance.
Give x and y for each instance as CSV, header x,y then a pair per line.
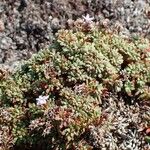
x,y
27,26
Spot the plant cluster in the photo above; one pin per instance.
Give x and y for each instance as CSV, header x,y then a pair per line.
x,y
56,96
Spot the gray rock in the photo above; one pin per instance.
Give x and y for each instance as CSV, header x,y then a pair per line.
x,y
30,24
5,43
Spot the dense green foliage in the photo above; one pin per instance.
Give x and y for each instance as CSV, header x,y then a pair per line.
x,y
76,71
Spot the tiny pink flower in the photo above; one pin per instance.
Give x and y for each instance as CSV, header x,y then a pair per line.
x,y
41,100
88,19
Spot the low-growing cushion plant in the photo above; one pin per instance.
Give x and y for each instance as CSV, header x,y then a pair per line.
x,y
54,98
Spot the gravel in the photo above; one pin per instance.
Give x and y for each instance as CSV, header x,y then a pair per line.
x,y
27,26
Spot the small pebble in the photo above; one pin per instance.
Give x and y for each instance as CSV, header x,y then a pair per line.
x,y
2,27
